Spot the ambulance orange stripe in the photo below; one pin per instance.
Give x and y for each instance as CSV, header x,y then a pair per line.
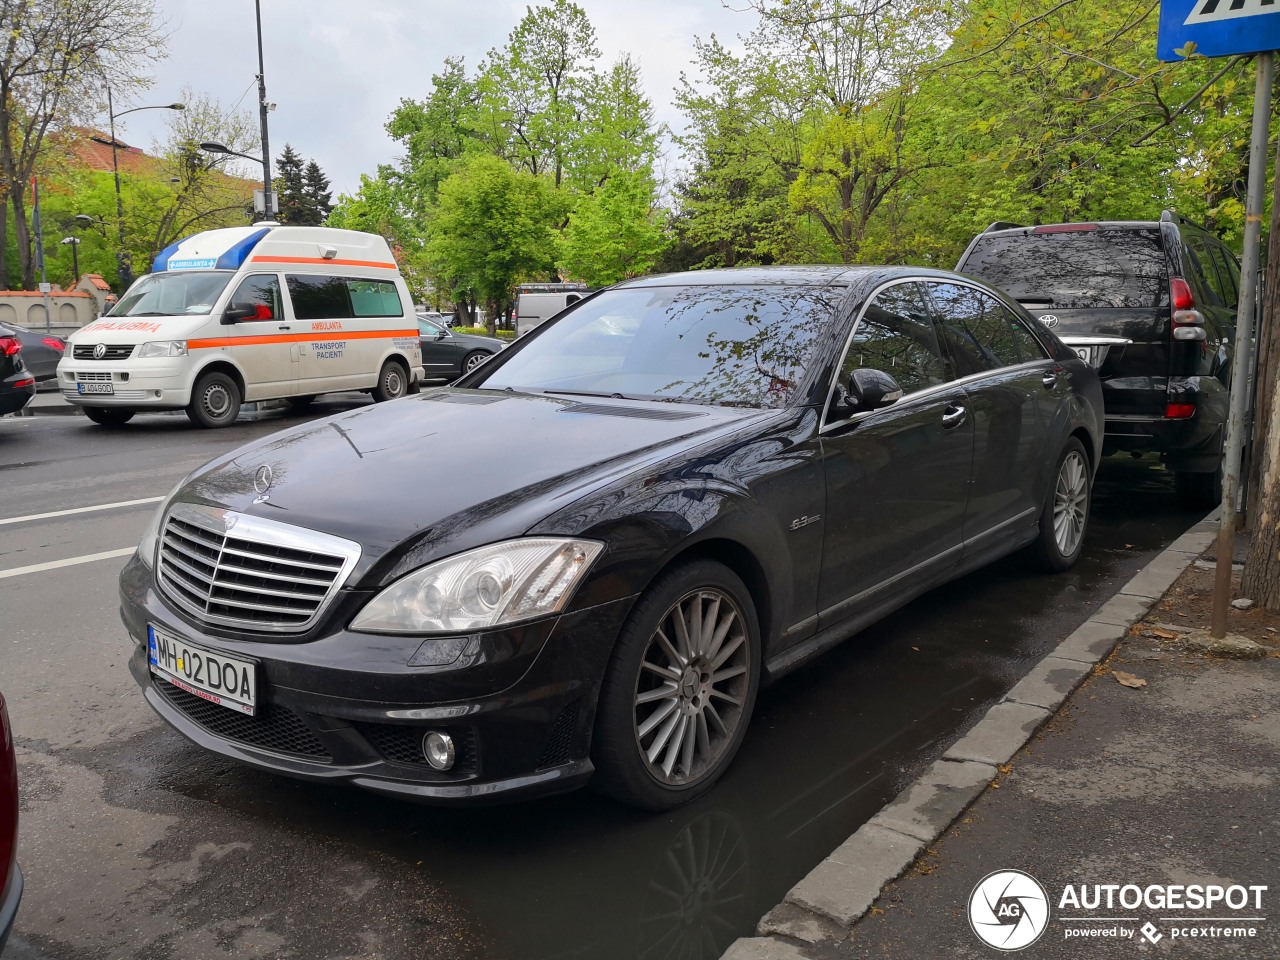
x,y
344,263
322,335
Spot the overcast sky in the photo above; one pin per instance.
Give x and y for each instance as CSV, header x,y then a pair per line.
x,y
337,68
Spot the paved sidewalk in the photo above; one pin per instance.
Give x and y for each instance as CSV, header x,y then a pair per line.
x,y
1169,782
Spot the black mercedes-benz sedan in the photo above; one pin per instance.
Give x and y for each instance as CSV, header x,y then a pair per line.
x,y
678,489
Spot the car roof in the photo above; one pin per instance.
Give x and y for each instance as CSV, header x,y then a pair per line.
x,y
807,275
1100,224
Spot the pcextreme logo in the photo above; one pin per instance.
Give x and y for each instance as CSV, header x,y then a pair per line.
x,y
1008,910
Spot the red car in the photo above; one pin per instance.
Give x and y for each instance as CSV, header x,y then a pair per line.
x,y
10,875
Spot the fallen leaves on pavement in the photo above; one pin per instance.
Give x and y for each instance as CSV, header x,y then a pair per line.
x,y
1128,680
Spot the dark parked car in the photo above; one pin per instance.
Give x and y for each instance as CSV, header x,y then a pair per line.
x,y
17,385
447,355
40,351
1153,304
677,489
10,875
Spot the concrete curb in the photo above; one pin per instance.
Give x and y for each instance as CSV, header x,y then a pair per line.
x,y
838,892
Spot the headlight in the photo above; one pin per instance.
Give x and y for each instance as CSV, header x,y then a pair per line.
x,y
163,348
494,585
147,545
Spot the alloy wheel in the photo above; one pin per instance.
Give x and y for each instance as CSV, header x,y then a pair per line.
x,y
692,687
1070,503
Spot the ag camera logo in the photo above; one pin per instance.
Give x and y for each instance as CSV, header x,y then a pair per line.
x,y
1008,910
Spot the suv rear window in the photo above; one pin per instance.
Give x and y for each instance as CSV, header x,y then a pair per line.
x,y
1086,269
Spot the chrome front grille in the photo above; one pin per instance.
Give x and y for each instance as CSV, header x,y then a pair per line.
x,y
236,570
115,351
85,376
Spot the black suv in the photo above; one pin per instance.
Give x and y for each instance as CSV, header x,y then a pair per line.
x,y
1152,304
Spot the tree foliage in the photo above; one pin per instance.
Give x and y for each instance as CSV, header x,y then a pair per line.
x,y
57,60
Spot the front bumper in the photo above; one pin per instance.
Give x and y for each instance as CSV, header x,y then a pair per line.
x,y
346,706
161,383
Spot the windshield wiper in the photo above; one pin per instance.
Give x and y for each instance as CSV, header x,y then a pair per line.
x,y
589,393
149,313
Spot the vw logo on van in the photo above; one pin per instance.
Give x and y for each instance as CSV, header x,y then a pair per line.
x,y
1049,320
99,351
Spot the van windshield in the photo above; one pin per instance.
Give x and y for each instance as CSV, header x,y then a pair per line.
x,y
173,294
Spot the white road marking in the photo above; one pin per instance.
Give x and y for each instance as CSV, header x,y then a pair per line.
x,y
55,564
67,513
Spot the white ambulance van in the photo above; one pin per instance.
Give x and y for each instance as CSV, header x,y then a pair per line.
x,y
249,313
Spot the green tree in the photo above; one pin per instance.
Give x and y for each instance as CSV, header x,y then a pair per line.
x,y
316,193
57,60
493,227
615,232
291,203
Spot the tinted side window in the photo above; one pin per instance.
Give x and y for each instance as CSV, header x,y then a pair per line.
x,y
896,336
1229,270
1202,267
262,292
980,333
1075,268
374,298
319,298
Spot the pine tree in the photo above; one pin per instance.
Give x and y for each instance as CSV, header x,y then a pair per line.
x,y
317,197
290,198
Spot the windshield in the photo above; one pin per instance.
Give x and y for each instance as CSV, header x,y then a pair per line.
x,y
1078,269
172,294
740,346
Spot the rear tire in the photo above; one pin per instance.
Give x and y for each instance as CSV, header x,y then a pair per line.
x,y
215,401
1065,516
1202,491
393,382
108,416
679,689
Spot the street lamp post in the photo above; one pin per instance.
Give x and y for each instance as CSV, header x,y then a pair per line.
x,y
263,108
74,243
124,263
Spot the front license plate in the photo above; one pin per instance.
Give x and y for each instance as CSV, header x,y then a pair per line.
x,y
96,388
227,681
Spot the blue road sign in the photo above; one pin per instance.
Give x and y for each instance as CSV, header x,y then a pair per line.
x,y
1218,28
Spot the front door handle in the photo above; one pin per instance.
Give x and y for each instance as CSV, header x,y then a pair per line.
x,y
1050,378
285,327
953,416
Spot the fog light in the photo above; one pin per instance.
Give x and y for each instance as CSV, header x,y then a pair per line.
x,y
437,747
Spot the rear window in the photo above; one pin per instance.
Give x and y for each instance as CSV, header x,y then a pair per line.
x,y
1088,269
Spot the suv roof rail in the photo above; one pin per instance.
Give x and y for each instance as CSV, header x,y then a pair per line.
x,y
1003,225
566,287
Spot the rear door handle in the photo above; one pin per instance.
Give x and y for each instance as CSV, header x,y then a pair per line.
x,y
953,416
286,327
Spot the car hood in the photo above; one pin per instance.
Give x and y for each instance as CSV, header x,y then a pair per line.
x,y
448,469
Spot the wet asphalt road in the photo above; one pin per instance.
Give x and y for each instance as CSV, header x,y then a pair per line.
x,y
135,844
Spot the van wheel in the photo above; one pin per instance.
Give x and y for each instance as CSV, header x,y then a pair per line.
x,y
393,382
474,359
1065,516
679,691
215,401
108,416
1201,491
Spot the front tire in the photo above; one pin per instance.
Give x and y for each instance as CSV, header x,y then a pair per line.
x,y
393,382
215,401
474,359
1065,516
108,416
679,690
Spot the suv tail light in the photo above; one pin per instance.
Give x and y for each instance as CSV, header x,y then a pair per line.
x,y
55,343
9,346
1188,322
1179,411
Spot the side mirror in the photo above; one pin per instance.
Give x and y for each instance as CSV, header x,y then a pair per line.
x,y
867,389
236,312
